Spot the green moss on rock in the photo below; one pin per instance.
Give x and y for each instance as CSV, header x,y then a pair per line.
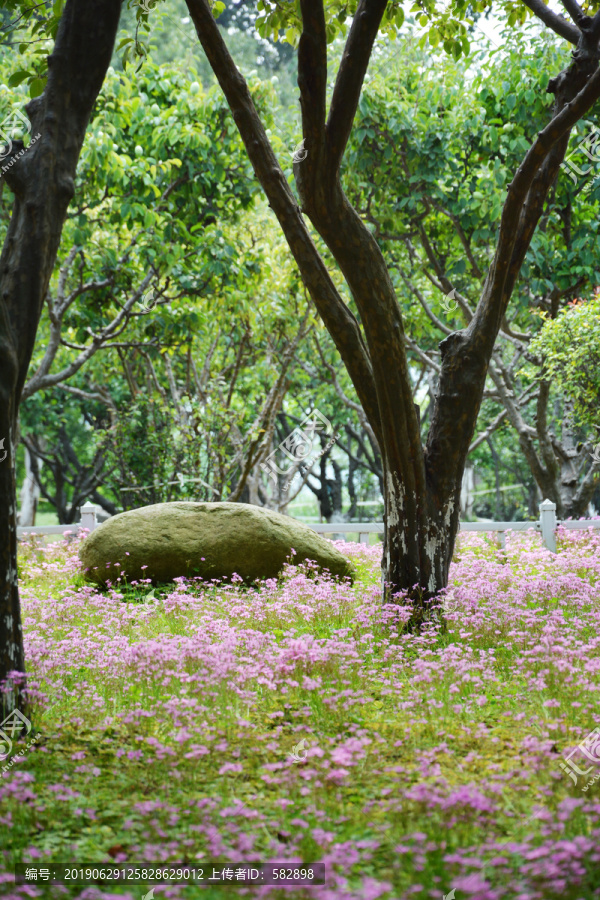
x,y
210,540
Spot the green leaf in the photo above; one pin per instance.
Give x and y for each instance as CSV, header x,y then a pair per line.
x,y
37,87
17,77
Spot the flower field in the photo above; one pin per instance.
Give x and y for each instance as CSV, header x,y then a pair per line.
x,y
298,722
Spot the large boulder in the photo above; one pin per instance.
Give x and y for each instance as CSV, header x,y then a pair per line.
x,y
210,540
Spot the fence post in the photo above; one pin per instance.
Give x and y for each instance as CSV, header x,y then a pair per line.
x,y
548,524
363,537
88,516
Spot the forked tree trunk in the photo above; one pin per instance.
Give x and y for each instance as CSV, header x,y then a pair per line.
x,y
42,180
421,484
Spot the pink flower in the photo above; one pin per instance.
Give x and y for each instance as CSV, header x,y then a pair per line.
x,y
231,767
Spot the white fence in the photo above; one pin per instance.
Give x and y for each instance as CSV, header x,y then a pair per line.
x,y
88,520
546,525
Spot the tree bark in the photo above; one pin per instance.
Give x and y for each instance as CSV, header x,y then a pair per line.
x,y
42,181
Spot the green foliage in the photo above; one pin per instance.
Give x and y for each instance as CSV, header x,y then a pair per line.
x,y
32,27
162,189
158,186
569,346
448,25
426,156
425,150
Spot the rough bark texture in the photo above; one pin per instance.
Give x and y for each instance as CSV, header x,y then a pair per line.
x,y
42,181
422,484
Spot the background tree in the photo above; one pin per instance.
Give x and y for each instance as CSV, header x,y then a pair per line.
x,y
171,226
569,345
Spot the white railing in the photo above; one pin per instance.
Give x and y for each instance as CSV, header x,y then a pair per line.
x,y
88,520
546,525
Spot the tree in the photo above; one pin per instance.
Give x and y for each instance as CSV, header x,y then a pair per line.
x,y
422,483
329,382
199,419
41,178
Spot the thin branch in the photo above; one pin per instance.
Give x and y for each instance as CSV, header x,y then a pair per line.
x,y
494,424
462,237
350,404
430,314
42,379
422,356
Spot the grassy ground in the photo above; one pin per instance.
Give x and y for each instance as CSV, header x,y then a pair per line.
x,y
298,722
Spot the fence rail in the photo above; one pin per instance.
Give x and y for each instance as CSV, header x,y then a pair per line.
x,y
546,524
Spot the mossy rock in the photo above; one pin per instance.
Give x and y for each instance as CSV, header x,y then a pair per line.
x,y
210,540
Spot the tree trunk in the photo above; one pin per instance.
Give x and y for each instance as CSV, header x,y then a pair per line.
x,y
352,468
11,643
466,493
416,560
30,494
568,462
336,492
42,180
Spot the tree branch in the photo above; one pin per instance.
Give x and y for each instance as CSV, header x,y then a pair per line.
x,y
312,78
350,77
574,10
485,435
557,23
493,305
